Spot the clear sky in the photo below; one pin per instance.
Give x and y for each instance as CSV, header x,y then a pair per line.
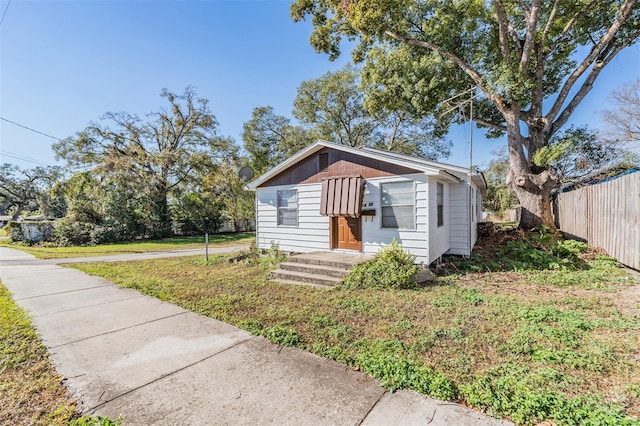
x,y
66,63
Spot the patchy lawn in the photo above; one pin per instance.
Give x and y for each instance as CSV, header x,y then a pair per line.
x,y
31,391
166,244
500,333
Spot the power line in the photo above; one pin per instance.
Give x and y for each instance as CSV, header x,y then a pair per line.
x,y
22,158
5,12
30,129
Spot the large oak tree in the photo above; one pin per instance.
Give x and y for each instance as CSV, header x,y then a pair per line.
x,y
25,189
152,156
532,61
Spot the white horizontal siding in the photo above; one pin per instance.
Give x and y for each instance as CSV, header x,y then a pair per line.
x,y
374,236
312,232
459,217
439,241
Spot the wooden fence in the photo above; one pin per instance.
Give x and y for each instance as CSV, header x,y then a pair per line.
x,y
605,215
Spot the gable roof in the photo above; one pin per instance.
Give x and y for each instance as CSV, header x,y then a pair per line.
x,y
444,171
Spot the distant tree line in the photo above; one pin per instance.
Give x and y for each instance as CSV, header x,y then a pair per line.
x,y
171,173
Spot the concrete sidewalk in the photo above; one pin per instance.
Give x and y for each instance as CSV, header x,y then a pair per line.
x,y
130,355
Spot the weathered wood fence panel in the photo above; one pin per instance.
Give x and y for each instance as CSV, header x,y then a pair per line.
x,y
606,215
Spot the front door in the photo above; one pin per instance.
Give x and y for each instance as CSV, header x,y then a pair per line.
x,y
346,233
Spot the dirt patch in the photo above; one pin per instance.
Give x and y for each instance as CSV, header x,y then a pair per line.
x,y
628,300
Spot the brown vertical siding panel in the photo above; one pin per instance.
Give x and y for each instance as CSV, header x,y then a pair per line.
x,y
344,199
331,198
323,197
352,210
340,164
338,197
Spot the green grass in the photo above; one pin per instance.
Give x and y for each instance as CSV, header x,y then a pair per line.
x,y
167,244
517,345
31,391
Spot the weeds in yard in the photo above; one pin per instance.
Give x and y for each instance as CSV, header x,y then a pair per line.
x,y
266,258
31,391
514,344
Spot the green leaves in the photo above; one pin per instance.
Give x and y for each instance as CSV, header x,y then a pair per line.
x,y
392,267
270,138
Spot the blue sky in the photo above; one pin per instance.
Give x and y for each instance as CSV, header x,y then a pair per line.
x,y
66,63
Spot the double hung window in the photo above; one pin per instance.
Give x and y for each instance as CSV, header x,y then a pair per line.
x,y
398,205
288,208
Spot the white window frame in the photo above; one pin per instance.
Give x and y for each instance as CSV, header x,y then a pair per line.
x,y
280,208
439,203
412,205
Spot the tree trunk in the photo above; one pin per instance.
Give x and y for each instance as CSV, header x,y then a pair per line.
x,y
534,194
532,187
16,214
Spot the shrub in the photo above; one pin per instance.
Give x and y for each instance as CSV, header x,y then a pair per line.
x,y
15,231
72,233
31,231
391,267
270,257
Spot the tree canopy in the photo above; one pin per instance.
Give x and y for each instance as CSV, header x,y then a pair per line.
x,y
147,159
532,62
578,151
270,138
334,105
27,189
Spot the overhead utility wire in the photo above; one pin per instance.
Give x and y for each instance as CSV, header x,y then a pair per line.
x,y
21,158
5,12
30,129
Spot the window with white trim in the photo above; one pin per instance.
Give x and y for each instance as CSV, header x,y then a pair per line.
x,y
288,207
398,205
473,204
440,203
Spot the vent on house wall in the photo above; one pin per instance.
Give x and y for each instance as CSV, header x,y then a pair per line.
x,y
323,159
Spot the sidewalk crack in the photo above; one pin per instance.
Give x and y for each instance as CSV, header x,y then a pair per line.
x,y
91,410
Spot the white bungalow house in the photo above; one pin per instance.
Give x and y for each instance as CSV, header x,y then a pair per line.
x,y
330,197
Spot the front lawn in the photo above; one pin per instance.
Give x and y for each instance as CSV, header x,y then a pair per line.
x,y
166,244
31,391
521,343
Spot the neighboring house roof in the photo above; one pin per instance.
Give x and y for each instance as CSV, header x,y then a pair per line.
x,y
36,217
599,176
444,171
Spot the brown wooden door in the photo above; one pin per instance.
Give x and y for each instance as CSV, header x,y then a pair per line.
x,y
346,233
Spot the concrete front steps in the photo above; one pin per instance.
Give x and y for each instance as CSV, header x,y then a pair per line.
x,y
324,269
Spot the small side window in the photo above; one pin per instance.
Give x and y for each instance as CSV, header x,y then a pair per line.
x,y
440,202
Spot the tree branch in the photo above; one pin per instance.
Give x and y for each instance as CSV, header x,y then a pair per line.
x,y
547,27
569,25
484,123
532,21
460,62
596,54
588,83
503,25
